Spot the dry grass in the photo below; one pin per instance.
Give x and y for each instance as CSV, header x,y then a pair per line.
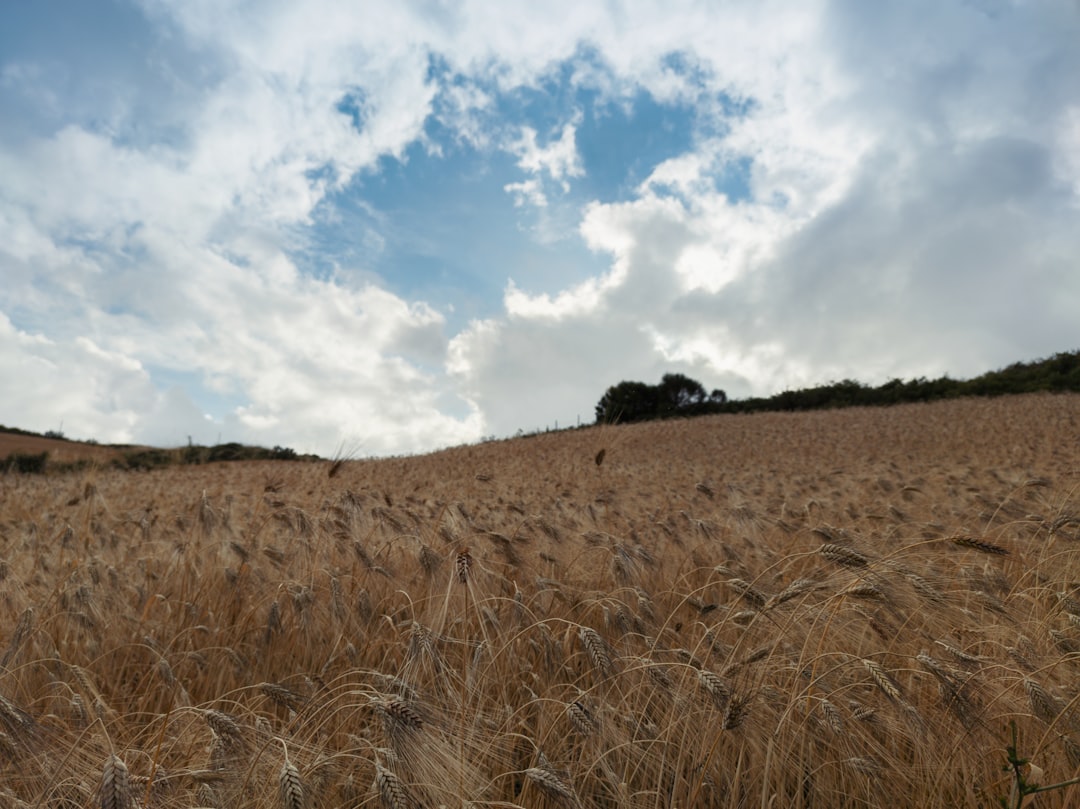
x,y
59,451
805,610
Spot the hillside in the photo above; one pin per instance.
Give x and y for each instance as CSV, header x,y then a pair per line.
x,y
28,452
59,450
820,609
678,396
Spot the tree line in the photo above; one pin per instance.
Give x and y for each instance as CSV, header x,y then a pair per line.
x,y
130,457
678,395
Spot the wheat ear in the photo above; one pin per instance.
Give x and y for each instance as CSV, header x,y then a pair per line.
x,y
290,786
115,791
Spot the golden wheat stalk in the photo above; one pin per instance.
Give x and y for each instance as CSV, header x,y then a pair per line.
x,y
115,789
597,649
886,683
463,565
793,590
283,696
391,790
290,787
581,718
864,589
223,724
980,545
716,689
16,721
1043,704
865,765
750,594
401,722
737,709
22,631
925,589
832,716
843,555
554,787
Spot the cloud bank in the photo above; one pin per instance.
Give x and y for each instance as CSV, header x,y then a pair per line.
x,y
759,195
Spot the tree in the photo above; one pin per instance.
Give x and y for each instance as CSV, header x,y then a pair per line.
x,y
680,395
676,395
626,402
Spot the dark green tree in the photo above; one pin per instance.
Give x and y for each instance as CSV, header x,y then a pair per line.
x,y
626,402
678,394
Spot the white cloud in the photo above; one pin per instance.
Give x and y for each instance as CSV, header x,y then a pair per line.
x,y
1067,139
194,286
527,192
76,386
559,159
896,224
173,256
465,110
912,175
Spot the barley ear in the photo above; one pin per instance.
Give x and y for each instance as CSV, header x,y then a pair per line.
x,y
883,681
463,565
391,790
597,650
981,545
290,785
115,791
843,555
554,787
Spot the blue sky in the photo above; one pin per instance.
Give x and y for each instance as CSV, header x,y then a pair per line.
x,y
321,225
438,223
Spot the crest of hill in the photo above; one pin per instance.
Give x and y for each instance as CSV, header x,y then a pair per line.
x,y
679,396
60,450
713,449
26,451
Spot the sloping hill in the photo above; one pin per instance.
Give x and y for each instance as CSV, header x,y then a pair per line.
x,y
828,609
60,450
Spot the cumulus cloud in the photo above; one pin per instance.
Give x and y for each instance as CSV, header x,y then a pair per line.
x,y
559,159
907,214
75,386
527,191
866,194
175,256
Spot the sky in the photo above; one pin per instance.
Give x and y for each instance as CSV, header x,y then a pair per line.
x,y
384,228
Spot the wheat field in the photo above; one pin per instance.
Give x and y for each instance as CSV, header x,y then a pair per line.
x,y
835,609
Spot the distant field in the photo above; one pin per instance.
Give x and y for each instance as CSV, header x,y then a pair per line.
x,y
826,609
59,451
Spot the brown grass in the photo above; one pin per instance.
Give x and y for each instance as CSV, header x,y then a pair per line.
x,y
59,451
801,610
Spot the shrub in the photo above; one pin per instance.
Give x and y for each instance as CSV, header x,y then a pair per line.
x,y
27,463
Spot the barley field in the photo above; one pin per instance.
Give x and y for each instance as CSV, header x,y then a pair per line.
x,y
834,609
